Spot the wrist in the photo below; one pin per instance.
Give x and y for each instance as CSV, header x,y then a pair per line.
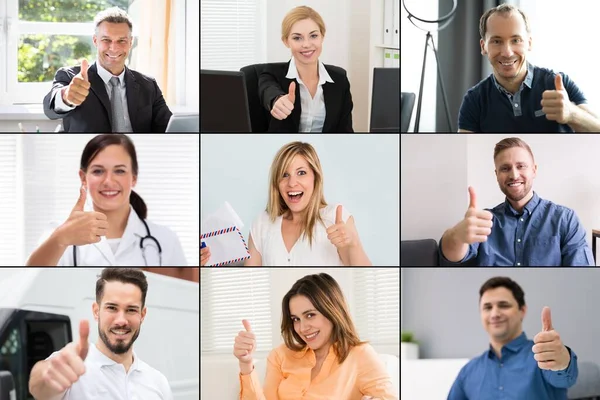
x,y
63,92
246,368
57,238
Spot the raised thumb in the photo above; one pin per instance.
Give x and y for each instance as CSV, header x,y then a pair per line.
x,y
558,83
81,200
546,319
84,69
292,92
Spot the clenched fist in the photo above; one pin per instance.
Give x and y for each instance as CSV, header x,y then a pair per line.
x,y
476,226
549,350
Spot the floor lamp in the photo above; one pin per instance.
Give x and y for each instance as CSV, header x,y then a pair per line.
x,y
445,21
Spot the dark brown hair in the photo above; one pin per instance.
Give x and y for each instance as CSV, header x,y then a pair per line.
x,y
99,143
326,296
506,282
509,143
134,276
501,9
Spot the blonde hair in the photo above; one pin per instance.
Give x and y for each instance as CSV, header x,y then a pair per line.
x,y
298,14
276,205
327,297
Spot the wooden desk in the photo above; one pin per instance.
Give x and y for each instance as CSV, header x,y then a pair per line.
x,y
595,234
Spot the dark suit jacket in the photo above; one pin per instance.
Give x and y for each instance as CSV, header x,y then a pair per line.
x,y
338,100
148,111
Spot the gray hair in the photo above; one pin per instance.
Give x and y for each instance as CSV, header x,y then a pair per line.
x,y
114,15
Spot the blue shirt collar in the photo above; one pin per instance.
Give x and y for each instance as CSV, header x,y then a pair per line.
x,y
527,82
514,346
529,207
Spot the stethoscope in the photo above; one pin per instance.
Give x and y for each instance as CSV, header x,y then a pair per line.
x,y
149,236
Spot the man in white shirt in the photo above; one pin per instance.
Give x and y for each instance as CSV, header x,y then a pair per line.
x,y
110,369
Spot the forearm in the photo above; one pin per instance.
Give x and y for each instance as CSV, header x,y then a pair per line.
x,y
48,254
37,386
584,121
453,249
355,256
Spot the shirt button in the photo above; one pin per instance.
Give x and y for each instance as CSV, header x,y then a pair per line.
x,y
518,264
501,365
501,388
521,219
516,106
519,240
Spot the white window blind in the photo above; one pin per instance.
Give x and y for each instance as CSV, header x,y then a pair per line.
x,y
168,182
230,34
9,200
228,295
377,300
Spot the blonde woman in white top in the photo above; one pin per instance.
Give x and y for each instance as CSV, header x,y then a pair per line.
x,y
298,227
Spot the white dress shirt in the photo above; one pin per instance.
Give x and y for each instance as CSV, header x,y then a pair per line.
x,y
60,106
106,379
268,241
312,117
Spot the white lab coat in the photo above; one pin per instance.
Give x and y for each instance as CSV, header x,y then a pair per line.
x,y
129,253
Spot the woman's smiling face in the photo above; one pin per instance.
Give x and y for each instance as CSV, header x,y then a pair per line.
x,y
296,184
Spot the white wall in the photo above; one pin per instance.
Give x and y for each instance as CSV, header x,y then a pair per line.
x,y
437,169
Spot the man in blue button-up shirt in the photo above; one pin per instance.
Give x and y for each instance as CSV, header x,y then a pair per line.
x,y
525,230
514,367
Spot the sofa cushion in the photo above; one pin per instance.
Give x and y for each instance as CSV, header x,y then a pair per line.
x,y
419,253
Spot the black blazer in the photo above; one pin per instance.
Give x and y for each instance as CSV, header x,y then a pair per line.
x,y
338,100
148,111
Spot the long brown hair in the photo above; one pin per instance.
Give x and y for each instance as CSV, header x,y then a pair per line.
x,y
326,296
276,205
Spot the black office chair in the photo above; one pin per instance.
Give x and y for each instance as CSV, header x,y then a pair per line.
x,y
259,116
407,103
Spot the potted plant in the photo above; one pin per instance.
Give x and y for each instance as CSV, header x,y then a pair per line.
x,y
409,347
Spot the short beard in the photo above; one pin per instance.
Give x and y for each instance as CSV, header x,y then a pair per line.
x,y
121,347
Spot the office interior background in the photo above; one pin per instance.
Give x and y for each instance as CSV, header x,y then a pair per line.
x,y
237,33
563,47
39,186
37,38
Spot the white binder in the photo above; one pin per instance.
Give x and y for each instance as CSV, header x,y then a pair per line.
x,y
396,24
388,21
388,58
395,58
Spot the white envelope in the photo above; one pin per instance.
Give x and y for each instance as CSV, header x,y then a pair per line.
x,y
226,246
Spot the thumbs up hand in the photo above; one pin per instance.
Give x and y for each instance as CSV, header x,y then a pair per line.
x,y
82,227
477,224
556,104
283,106
79,88
549,350
342,234
245,344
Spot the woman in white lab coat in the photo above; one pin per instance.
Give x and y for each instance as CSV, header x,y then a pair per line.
x,y
116,232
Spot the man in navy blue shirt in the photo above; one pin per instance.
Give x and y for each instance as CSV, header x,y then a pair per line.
x,y
524,230
515,367
518,96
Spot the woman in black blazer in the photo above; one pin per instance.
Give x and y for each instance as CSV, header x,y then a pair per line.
x,y
305,95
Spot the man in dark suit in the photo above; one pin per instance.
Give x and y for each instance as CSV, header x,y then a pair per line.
x,y
107,96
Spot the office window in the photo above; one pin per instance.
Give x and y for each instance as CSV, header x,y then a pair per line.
x,y
230,34
39,37
577,20
43,170
228,295
377,306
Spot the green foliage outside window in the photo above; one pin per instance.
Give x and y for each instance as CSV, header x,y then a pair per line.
x,y
40,55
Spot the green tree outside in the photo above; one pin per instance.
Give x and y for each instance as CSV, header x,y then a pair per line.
x,y
40,56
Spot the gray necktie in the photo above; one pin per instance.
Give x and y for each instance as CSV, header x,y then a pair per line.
x,y
116,103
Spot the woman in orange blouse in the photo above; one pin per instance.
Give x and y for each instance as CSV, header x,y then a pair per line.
x,y
321,358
